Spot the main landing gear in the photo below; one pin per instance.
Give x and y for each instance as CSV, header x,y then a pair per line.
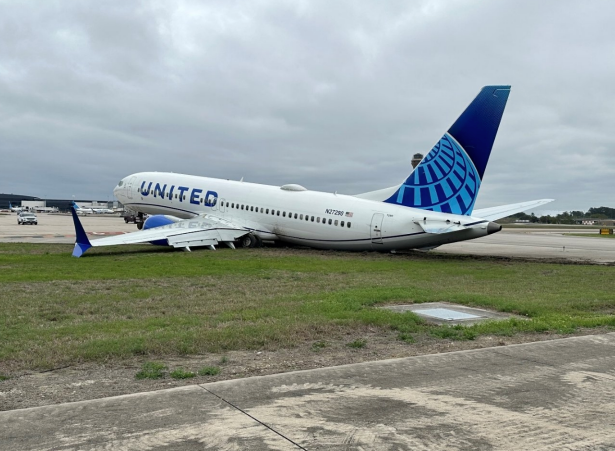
x,y
250,240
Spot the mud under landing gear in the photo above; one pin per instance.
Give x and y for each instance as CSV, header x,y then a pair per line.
x,y
250,240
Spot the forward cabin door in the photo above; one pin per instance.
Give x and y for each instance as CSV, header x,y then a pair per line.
x,y
129,186
376,229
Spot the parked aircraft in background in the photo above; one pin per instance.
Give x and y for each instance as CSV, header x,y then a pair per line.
x,y
434,205
46,209
15,209
90,210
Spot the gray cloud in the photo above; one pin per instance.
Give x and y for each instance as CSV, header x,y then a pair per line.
x,y
334,96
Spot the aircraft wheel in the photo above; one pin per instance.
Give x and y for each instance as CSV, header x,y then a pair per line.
x,y
250,240
258,241
140,225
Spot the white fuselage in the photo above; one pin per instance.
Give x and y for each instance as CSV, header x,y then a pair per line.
x,y
291,213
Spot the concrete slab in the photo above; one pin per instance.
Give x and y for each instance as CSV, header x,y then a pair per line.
x,y
556,395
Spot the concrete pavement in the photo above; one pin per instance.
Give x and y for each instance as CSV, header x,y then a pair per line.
x,y
549,395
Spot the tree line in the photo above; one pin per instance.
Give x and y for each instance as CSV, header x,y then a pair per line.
x,y
567,217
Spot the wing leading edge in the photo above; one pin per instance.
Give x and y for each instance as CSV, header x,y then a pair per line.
x,y
204,230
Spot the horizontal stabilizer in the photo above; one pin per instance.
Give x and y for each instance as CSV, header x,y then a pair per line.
x,y
503,211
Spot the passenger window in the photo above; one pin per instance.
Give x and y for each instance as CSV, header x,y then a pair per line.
x,y
312,219
301,217
227,205
278,212
318,219
176,196
151,192
202,201
262,209
252,208
342,223
348,225
267,211
296,216
335,222
284,214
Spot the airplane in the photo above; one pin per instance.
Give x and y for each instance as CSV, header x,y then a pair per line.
x,y
15,209
46,209
90,210
433,206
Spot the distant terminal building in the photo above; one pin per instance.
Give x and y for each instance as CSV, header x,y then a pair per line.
x,y
34,203
416,159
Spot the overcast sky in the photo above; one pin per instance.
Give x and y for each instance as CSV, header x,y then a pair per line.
x,y
333,95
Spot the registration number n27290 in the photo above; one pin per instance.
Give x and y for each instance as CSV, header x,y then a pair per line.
x,y
329,211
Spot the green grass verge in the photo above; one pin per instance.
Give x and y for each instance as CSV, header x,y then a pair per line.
x,y
590,235
209,371
180,373
151,370
145,301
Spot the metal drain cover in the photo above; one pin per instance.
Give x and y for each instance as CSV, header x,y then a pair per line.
x,y
446,314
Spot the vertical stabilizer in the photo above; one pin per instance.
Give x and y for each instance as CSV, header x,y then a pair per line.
x,y
449,177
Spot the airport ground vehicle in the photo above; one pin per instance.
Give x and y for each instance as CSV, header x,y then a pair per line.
x,y
25,217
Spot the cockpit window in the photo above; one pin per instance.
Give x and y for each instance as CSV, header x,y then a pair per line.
x,y
121,183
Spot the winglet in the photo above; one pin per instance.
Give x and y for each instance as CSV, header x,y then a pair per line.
x,y
82,243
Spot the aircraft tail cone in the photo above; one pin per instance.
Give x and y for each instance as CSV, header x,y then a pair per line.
x,y
493,227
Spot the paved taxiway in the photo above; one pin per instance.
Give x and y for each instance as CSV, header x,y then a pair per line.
x,y
549,395
521,242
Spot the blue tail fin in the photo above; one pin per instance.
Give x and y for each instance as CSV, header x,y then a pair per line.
x,y
82,243
449,177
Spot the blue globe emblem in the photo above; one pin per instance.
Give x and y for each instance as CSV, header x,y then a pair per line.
x,y
445,181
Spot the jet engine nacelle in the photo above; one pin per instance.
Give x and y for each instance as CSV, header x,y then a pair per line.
x,y
159,221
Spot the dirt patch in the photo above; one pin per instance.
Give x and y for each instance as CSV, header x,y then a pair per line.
x,y
92,381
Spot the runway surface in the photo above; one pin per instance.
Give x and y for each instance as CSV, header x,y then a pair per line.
x,y
549,395
519,242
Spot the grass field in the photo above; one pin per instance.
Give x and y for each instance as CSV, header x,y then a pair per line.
x,y
114,304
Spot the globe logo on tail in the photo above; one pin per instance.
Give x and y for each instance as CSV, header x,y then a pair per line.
x,y
445,180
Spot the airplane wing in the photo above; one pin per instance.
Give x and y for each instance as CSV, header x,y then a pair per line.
x,y
503,211
203,230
